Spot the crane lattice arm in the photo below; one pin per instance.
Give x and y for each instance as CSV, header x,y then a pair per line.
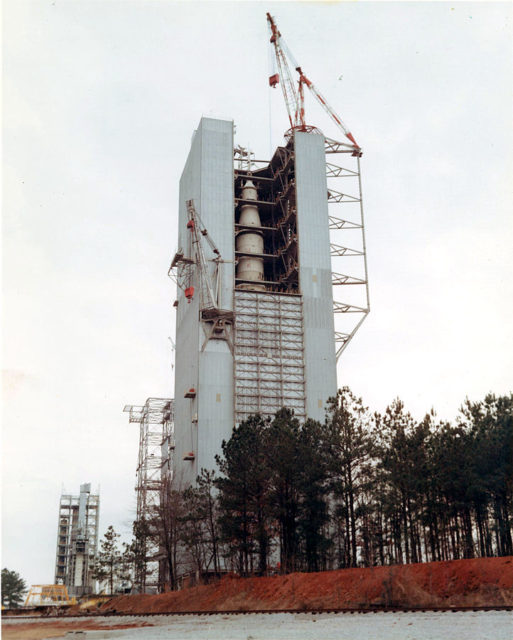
x,y
323,102
294,99
288,87
183,267
209,283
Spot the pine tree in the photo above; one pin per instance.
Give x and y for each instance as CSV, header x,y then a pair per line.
x,y
244,495
349,423
314,461
108,560
13,589
285,484
490,427
209,514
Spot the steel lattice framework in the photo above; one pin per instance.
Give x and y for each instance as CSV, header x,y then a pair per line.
x,y
75,538
154,466
346,222
268,354
351,303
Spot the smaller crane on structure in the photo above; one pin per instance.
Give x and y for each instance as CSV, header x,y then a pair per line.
x,y
183,269
295,98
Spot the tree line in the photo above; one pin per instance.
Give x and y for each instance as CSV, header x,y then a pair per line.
x,y
362,489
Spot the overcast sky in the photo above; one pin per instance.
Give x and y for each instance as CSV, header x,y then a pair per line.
x,y
100,101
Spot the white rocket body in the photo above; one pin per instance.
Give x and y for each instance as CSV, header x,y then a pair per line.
x,y
250,268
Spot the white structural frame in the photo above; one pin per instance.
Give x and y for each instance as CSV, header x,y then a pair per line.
x,y
347,228
154,467
77,540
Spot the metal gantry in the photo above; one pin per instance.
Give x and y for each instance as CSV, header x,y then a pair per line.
x,y
77,540
269,368
351,303
154,467
278,213
278,208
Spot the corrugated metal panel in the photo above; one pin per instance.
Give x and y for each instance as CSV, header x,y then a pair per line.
x,y
217,196
202,422
215,393
315,272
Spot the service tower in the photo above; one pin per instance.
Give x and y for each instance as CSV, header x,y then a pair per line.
x,y
256,269
255,326
77,540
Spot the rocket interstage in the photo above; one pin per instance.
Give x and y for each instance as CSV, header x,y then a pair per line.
x,y
250,241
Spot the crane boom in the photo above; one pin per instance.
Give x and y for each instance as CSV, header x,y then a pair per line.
x,y
324,103
186,263
287,84
209,283
196,265
294,98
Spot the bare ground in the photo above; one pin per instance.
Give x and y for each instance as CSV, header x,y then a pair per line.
x,y
459,583
43,629
474,582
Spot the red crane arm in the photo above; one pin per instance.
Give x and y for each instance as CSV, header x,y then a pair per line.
x,y
294,99
288,86
324,103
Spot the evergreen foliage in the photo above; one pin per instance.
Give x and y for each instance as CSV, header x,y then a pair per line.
x,y
358,490
108,562
13,589
244,496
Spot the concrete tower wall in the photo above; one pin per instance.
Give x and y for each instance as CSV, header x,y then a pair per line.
x,y
315,272
206,366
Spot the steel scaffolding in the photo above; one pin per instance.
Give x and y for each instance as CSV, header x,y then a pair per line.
x,y
348,250
268,354
77,541
154,467
276,181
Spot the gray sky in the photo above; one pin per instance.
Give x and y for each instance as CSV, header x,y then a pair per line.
x,y
100,102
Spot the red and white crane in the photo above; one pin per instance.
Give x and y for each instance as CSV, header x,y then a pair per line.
x,y
294,97
194,265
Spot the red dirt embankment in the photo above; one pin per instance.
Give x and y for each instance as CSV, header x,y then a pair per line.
x,y
476,582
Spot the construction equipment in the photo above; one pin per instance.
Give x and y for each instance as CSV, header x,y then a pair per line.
x,y
48,595
295,98
192,266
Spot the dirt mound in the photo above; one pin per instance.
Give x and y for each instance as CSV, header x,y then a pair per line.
x,y
476,582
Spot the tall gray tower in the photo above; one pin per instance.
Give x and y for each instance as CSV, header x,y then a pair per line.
x,y
77,540
255,324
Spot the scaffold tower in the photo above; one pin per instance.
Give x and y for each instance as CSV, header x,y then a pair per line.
x,y
154,469
77,540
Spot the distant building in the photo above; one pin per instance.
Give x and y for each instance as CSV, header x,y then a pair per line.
x,y
77,541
